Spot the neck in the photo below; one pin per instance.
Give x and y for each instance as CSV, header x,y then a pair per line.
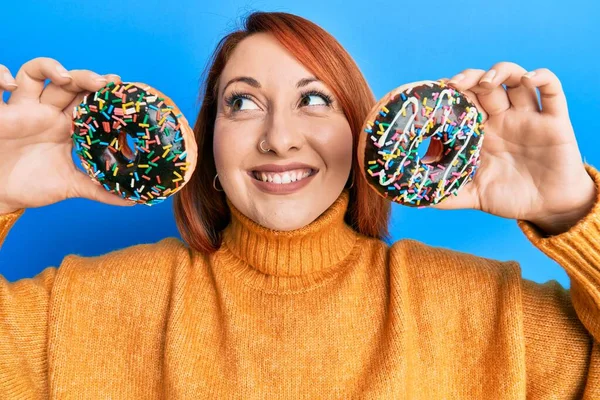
x,y
315,247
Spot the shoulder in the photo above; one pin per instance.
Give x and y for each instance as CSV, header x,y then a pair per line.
x,y
458,302
124,296
138,262
438,270
167,249
134,278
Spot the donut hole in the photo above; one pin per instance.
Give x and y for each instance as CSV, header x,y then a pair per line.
x,y
430,150
127,145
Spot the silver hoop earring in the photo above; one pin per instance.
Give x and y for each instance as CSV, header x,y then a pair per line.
x,y
263,150
214,183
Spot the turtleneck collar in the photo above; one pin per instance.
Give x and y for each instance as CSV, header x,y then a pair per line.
x,y
312,250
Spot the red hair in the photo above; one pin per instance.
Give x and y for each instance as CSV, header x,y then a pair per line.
x,y
201,212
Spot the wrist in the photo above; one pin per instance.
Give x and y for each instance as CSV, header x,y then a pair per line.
x,y
4,209
557,223
557,226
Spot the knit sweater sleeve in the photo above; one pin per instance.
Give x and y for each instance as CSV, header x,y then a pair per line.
x,y
562,326
23,329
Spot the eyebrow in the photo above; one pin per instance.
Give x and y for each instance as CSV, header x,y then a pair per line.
x,y
254,83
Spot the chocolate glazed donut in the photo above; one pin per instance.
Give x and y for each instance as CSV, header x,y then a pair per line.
x,y
162,152
398,124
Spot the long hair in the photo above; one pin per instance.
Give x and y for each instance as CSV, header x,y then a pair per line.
x,y
201,212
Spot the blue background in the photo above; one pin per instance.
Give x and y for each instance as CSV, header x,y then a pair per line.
x,y
167,44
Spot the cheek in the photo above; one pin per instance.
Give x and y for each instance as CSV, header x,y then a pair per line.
x,y
220,145
230,147
335,144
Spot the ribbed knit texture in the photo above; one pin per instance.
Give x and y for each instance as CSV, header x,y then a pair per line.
x,y
317,313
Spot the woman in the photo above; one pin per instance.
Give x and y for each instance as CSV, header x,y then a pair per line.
x,y
290,291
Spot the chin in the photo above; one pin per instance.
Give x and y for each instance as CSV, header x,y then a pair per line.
x,y
291,211
285,223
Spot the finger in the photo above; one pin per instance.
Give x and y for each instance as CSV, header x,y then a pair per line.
x,y
60,96
493,100
465,198
465,82
87,188
466,79
32,77
518,95
7,82
77,100
552,96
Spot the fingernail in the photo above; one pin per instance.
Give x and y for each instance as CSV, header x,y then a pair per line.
x,y
489,76
10,81
529,74
63,72
457,78
100,79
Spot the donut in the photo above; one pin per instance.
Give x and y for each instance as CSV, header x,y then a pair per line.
x,y
134,141
397,125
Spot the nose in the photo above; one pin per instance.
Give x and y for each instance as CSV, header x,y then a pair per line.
x,y
283,135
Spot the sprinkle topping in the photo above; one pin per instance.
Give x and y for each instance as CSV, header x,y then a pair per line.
x,y
149,168
432,110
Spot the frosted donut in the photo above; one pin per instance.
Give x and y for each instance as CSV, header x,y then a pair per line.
x,y
161,155
400,122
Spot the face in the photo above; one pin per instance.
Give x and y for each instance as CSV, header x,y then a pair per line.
x,y
267,94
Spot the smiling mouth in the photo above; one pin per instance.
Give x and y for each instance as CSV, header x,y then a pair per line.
x,y
283,178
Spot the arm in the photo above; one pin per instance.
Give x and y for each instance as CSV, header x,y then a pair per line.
x,y
7,221
61,329
23,329
558,348
562,327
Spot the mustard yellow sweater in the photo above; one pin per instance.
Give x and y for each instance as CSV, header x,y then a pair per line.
x,y
318,313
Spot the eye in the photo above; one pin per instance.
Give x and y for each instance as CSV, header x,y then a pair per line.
x,y
236,102
321,99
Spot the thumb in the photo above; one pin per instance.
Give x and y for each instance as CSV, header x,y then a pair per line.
x,y
68,110
113,78
464,198
87,188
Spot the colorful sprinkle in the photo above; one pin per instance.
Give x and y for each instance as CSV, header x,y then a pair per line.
x,y
98,122
432,110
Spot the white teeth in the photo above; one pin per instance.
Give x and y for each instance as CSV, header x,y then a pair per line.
x,y
284,177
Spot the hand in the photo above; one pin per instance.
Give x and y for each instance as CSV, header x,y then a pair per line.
x,y
36,165
531,167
